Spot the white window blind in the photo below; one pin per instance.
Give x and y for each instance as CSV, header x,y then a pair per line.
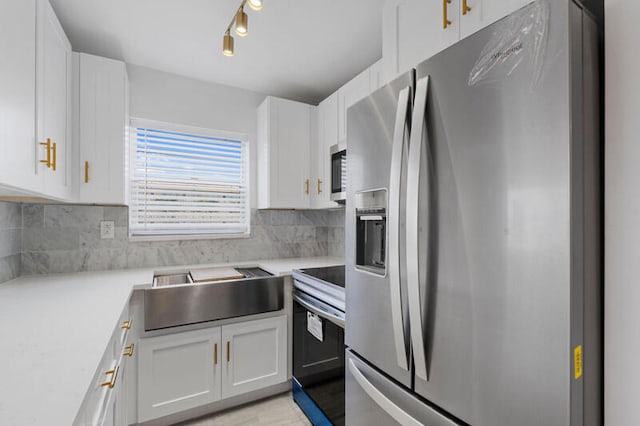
x,y
187,181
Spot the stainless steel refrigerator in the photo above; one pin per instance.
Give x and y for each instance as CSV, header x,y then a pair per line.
x,y
473,232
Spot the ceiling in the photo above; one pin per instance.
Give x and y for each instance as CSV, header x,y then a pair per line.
x,y
296,49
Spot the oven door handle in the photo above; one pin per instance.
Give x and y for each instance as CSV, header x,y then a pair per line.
x,y
319,312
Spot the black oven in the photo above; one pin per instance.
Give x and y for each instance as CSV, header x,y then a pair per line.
x,y
338,173
318,350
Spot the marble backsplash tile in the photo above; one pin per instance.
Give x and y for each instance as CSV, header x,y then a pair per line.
x,y
66,238
10,240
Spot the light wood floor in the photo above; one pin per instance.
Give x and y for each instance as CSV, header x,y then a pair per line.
x,y
274,411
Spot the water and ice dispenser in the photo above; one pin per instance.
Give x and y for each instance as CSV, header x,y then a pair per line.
x,y
371,230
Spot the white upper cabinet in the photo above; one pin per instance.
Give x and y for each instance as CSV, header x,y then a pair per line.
x,y
53,100
349,94
17,91
100,117
415,30
376,76
480,13
35,116
284,139
327,135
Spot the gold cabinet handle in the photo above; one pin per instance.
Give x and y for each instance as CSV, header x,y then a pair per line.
x,y
445,19
48,160
112,381
228,351
53,163
128,350
126,325
86,172
319,186
465,7
306,191
215,354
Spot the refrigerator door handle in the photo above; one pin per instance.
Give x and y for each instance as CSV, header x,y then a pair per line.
x,y
413,210
397,152
383,402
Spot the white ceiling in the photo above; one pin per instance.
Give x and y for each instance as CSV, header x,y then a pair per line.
x,y
297,49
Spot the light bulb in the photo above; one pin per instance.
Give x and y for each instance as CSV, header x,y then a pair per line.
x,y
242,23
255,4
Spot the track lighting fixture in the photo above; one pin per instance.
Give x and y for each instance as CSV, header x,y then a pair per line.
x,y
241,22
227,44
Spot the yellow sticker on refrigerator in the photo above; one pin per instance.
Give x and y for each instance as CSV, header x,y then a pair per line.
x,y
577,362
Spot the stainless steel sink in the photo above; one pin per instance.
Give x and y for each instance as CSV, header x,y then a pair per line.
x,y
172,279
174,299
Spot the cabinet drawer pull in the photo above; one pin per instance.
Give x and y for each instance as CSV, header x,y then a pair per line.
x,y
228,351
86,172
215,354
128,350
112,382
306,183
47,144
54,162
465,7
445,19
319,186
126,325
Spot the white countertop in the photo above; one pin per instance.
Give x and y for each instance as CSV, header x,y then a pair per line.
x,y
54,329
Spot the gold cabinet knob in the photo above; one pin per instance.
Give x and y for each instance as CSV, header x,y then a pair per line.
x,y
445,18
54,162
465,7
113,375
128,350
47,145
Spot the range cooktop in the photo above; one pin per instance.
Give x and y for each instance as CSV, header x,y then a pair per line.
x,y
331,274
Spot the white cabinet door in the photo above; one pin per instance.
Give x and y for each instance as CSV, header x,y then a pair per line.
x,y
376,76
481,13
17,92
348,95
53,99
100,110
256,355
178,372
327,135
415,30
284,138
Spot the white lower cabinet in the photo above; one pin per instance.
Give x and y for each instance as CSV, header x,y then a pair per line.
x,y
256,355
106,402
177,372
181,371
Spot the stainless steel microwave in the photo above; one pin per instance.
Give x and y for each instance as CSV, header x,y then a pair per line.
x,y
338,173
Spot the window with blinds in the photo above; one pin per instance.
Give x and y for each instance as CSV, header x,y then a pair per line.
x,y
187,181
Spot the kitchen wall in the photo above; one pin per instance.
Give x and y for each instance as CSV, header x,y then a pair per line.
x,y
622,213
161,96
66,238
10,240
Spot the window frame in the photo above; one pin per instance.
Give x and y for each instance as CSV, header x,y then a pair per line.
x,y
136,122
